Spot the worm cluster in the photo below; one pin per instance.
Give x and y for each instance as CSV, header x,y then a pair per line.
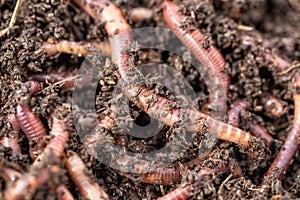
x,y
241,125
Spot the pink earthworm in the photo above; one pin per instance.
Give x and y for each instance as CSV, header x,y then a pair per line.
x,y
30,124
33,128
210,58
56,145
260,132
140,14
162,109
234,112
76,48
77,171
185,192
289,148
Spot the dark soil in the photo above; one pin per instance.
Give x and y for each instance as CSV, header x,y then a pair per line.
x,y
252,77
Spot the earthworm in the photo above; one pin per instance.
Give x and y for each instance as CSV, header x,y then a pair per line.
x,y
210,59
185,192
162,109
27,184
260,132
140,14
64,193
33,86
12,142
162,175
33,128
289,148
273,107
106,12
234,112
56,145
77,171
76,48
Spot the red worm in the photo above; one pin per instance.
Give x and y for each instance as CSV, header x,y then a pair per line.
x,y
33,87
273,107
161,175
76,48
234,112
12,142
163,109
77,171
260,132
56,145
289,148
33,129
27,184
64,193
140,14
210,58
185,192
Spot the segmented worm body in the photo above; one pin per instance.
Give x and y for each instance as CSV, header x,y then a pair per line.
x,y
260,132
33,87
289,148
234,112
33,129
64,193
27,184
210,59
140,13
56,145
11,141
77,171
185,192
76,48
162,109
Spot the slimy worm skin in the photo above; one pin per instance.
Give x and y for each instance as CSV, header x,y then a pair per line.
x,y
140,14
260,132
33,128
283,159
77,171
55,146
30,124
185,192
76,48
210,59
162,109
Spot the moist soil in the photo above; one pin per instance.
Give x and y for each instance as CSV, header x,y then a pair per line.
x,y
273,26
